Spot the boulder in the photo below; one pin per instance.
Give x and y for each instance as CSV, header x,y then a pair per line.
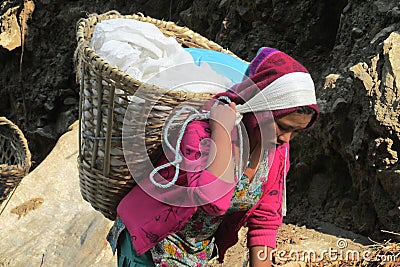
x,y
14,22
47,223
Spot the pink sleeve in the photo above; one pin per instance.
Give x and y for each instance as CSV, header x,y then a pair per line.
x,y
265,220
263,225
204,186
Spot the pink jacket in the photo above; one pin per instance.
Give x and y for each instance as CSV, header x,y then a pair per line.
x,y
149,221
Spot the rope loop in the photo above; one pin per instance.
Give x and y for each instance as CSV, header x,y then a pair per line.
x,y
176,151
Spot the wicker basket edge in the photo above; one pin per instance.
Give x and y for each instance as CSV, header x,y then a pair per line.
x,y
27,165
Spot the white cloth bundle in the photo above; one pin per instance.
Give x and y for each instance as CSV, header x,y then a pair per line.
x,y
143,52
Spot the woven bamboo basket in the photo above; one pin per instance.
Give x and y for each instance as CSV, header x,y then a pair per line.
x,y
15,157
104,92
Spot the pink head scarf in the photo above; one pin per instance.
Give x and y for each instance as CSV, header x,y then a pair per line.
x,y
268,66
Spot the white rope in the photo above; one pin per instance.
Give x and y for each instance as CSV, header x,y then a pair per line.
x,y
284,208
178,157
176,150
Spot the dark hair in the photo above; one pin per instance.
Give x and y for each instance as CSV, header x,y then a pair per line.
x,y
308,111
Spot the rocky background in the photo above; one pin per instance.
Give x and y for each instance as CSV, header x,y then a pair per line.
x,y
345,171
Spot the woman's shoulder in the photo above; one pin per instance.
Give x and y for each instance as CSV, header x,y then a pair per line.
x,y
198,130
200,125
194,134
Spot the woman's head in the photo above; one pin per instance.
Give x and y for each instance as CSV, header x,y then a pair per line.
x,y
278,89
288,126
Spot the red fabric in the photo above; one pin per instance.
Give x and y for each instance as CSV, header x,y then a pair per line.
x,y
149,221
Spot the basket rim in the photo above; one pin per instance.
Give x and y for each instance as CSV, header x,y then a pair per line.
x,y
28,156
90,55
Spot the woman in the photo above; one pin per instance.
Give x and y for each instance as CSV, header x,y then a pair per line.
x,y
222,193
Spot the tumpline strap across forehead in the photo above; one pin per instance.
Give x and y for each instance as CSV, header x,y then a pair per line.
x,y
291,90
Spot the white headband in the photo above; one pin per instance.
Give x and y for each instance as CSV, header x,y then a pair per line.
x,y
291,90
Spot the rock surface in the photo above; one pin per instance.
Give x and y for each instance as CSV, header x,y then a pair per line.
x,y
47,223
11,37
14,19
360,138
355,144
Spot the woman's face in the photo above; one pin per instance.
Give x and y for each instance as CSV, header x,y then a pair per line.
x,y
282,130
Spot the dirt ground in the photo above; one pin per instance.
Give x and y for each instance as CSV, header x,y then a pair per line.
x,y
301,247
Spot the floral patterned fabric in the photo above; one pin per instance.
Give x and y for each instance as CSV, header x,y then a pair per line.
x,y
193,245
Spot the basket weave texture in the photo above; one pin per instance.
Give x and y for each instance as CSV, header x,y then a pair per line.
x,y
104,98
15,157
